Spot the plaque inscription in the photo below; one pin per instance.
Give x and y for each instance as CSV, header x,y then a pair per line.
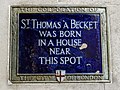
x,y
58,44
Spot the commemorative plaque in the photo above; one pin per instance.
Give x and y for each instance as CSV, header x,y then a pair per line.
x,y
58,44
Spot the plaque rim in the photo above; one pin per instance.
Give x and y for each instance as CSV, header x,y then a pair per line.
x,y
86,81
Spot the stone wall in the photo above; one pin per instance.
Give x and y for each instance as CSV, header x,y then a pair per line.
x,y
113,7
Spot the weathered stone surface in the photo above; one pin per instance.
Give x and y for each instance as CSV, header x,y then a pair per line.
x,y
113,9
